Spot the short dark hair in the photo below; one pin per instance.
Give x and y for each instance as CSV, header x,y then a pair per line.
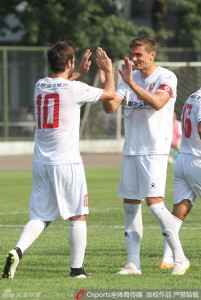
x,y
59,54
149,43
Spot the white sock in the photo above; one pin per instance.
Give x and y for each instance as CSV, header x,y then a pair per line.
x,y
168,226
30,233
167,252
77,242
133,232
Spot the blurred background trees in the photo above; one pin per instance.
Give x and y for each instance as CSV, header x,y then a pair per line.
x,y
90,23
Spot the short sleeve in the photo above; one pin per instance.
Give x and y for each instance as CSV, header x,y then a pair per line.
x,y
83,93
168,84
121,90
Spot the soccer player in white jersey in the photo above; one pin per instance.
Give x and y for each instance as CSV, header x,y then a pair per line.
x,y
148,95
59,183
187,171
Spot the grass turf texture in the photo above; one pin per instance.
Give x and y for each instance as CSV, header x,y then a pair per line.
x,y
44,268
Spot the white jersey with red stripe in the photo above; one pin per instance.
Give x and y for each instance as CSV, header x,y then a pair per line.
x,y
191,115
57,110
148,131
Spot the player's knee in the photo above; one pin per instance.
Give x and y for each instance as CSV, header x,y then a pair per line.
x,y
78,218
182,209
130,209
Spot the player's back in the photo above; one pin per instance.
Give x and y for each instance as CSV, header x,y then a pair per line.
x,y
57,122
191,115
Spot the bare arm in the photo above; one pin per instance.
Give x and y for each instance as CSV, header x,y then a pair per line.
x,y
83,67
113,103
199,129
105,64
156,100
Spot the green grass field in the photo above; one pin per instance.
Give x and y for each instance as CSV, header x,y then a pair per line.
x,y
44,269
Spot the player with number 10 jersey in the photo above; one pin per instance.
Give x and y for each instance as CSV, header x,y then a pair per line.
x,y
57,108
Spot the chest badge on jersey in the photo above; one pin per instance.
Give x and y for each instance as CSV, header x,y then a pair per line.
x,y
151,86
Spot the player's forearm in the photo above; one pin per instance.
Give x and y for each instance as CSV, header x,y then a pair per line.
x,y
199,129
109,85
110,106
152,99
108,92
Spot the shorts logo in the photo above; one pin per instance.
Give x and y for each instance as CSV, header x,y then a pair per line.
x,y
153,186
85,200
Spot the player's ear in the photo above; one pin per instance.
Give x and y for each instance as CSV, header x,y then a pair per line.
x,y
69,65
153,54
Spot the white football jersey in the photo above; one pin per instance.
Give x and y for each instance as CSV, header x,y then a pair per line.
x,y
191,115
57,111
148,131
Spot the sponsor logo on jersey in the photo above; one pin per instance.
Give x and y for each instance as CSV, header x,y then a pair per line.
x,y
44,85
195,97
135,104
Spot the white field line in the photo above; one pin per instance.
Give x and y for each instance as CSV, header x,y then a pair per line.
x,y
89,226
99,226
90,209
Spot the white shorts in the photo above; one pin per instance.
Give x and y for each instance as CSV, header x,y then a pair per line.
x,y
143,176
59,190
187,178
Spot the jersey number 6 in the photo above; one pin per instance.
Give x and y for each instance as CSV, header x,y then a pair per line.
x,y
186,121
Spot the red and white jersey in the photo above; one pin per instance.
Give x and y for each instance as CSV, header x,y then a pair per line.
x,y
148,131
57,111
191,115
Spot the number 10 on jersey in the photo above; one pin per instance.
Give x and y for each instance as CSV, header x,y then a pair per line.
x,y
48,111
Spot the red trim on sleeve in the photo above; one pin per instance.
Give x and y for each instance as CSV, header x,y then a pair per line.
x,y
166,88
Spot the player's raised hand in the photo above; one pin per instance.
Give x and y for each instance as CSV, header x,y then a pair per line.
x,y
127,73
102,77
85,62
103,61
